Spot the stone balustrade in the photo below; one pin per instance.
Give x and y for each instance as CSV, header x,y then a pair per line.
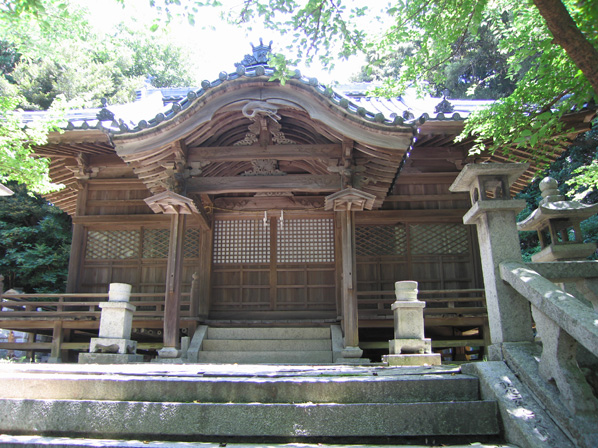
x,y
562,321
559,297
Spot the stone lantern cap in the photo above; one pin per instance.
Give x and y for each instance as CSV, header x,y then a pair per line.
x,y
553,206
467,178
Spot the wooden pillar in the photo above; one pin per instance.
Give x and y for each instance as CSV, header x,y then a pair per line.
x,y
206,248
178,207
345,203
77,243
349,281
56,348
31,340
173,282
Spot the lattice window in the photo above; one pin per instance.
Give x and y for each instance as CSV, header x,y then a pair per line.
x,y
112,244
381,240
306,241
155,243
191,243
439,239
243,241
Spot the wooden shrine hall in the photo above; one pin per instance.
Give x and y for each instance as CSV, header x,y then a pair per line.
x,y
249,202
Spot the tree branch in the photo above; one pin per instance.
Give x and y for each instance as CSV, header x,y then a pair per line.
x,y
569,36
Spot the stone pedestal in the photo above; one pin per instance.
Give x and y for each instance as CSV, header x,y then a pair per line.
x,y
114,344
409,347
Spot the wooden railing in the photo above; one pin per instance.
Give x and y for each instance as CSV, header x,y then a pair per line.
x,y
463,302
81,305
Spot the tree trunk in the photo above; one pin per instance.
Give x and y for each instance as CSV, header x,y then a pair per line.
x,y
569,36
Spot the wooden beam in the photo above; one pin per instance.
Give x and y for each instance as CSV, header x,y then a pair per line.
x,y
407,178
276,152
120,219
116,184
116,203
419,216
270,202
428,197
253,184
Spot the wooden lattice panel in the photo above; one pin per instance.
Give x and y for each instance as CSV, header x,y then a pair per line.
x,y
191,243
439,239
306,241
381,240
112,244
155,243
242,241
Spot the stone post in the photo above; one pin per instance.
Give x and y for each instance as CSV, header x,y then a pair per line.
x,y
114,344
494,213
409,347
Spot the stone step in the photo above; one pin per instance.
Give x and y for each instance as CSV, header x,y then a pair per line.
x,y
192,386
185,421
269,333
256,345
267,357
64,442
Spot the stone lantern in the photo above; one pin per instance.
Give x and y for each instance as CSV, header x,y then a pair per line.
x,y
557,222
494,213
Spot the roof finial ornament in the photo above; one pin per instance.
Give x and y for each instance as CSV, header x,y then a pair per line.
x,y
260,56
104,114
444,107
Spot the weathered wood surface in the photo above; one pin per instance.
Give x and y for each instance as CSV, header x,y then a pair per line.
x,y
275,152
252,184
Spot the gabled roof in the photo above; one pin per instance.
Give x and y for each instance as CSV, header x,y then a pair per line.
x,y
157,132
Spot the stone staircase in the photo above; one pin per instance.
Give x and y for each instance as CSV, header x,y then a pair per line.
x,y
278,345
247,403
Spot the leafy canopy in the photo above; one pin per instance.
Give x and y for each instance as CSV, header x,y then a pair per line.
x,y
50,58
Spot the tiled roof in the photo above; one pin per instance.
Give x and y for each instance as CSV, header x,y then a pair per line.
x,y
155,105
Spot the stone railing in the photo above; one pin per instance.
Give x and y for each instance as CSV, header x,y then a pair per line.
x,y
562,322
556,298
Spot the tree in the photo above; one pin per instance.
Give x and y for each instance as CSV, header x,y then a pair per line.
x,y
35,239
50,58
477,70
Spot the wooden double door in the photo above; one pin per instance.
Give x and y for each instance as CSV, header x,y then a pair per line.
x,y
273,265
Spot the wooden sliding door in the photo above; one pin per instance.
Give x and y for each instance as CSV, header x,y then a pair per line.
x,y
274,265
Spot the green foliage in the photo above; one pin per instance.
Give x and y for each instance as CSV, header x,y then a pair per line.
x,y
475,69
50,58
34,243
152,54
16,163
80,65
585,180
